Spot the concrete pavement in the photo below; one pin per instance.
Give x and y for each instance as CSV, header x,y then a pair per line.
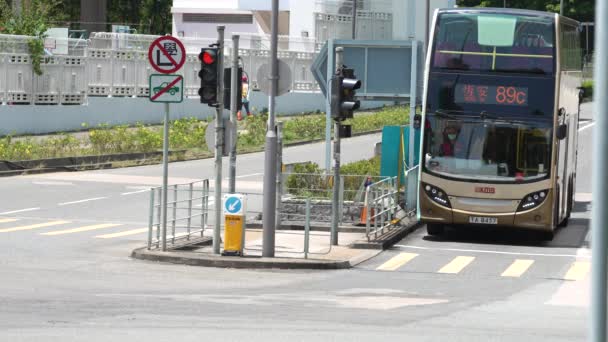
x,y
463,287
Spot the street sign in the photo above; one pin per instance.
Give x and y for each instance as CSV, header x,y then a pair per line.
x,y
167,54
166,88
284,84
234,204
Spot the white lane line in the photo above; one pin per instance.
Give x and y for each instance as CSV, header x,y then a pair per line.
x,y
82,201
52,183
19,211
125,233
586,126
250,175
134,192
494,252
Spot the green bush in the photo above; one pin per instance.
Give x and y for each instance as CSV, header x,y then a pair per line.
x,y
588,88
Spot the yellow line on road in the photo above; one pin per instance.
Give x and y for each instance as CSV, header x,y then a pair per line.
x,y
517,268
125,233
33,226
397,261
457,265
578,270
82,229
7,220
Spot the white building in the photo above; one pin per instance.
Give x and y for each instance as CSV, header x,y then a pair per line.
x,y
315,20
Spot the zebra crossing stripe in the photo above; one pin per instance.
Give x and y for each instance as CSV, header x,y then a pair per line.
x,y
457,265
517,268
397,261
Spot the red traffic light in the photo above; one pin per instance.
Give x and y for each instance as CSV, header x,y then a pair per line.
x,y
207,57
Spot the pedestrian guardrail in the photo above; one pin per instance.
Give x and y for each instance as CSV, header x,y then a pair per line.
x,y
187,214
385,204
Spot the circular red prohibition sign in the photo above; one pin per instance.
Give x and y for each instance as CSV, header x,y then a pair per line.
x,y
167,54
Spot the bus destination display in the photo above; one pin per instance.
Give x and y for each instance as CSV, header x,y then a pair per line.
x,y
494,95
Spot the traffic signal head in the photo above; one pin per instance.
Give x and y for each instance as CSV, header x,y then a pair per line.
x,y
343,92
209,75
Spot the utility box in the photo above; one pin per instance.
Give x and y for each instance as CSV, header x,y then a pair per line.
x,y
234,224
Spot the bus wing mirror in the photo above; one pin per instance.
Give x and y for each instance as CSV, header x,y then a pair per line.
x,y
562,131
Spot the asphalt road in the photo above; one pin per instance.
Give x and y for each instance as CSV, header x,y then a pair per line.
x,y
78,282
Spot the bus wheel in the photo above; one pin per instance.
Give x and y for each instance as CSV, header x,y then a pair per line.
x,y
564,223
434,228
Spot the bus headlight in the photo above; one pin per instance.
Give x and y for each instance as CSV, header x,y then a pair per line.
x,y
437,195
533,200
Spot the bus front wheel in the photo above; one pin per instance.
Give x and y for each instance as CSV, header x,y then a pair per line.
x,y
434,228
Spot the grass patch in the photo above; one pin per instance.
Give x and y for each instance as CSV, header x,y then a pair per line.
x,y
185,134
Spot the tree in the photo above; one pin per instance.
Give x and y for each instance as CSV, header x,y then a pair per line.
x,y
33,21
155,16
581,10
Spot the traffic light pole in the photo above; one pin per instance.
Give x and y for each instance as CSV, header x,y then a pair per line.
x,y
270,155
335,205
599,215
219,143
234,83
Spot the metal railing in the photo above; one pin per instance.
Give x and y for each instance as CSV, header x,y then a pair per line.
x,y
386,206
187,214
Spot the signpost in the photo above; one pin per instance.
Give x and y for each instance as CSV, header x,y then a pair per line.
x,y
167,55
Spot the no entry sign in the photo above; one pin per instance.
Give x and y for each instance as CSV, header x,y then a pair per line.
x,y
167,54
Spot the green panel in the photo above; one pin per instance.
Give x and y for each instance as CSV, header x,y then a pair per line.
x,y
391,143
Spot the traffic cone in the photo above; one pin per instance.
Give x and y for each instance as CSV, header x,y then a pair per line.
x,y
363,214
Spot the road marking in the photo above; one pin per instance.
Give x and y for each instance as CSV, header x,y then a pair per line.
x,y
52,183
7,220
125,233
134,192
82,229
19,211
249,175
82,201
578,270
397,261
517,268
494,252
33,226
586,126
457,264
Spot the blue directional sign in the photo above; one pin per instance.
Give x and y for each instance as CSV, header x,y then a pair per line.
x,y
234,204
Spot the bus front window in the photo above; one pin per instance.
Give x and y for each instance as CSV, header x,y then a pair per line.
x,y
487,150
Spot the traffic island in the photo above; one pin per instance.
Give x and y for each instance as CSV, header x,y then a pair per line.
x,y
289,253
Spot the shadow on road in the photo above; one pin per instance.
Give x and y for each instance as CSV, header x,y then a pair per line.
x,y
571,236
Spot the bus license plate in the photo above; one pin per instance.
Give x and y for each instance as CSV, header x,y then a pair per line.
x,y
483,220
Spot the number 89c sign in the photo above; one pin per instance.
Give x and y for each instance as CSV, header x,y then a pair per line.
x,y
492,95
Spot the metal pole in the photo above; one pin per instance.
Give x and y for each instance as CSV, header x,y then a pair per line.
x,y
279,204
427,8
504,3
234,83
165,175
411,182
599,216
561,7
270,172
336,186
354,29
151,219
307,229
219,143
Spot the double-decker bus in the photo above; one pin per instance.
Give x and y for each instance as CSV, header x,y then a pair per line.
x,y
500,112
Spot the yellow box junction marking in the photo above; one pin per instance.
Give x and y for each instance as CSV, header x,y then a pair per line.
x,y
82,229
517,268
33,226
7,220
457,265
125,233
578,270
397,261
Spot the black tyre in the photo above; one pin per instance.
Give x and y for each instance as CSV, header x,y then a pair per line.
x,y
435,228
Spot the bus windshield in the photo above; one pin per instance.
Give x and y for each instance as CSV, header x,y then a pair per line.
x,y
478,148
494,42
